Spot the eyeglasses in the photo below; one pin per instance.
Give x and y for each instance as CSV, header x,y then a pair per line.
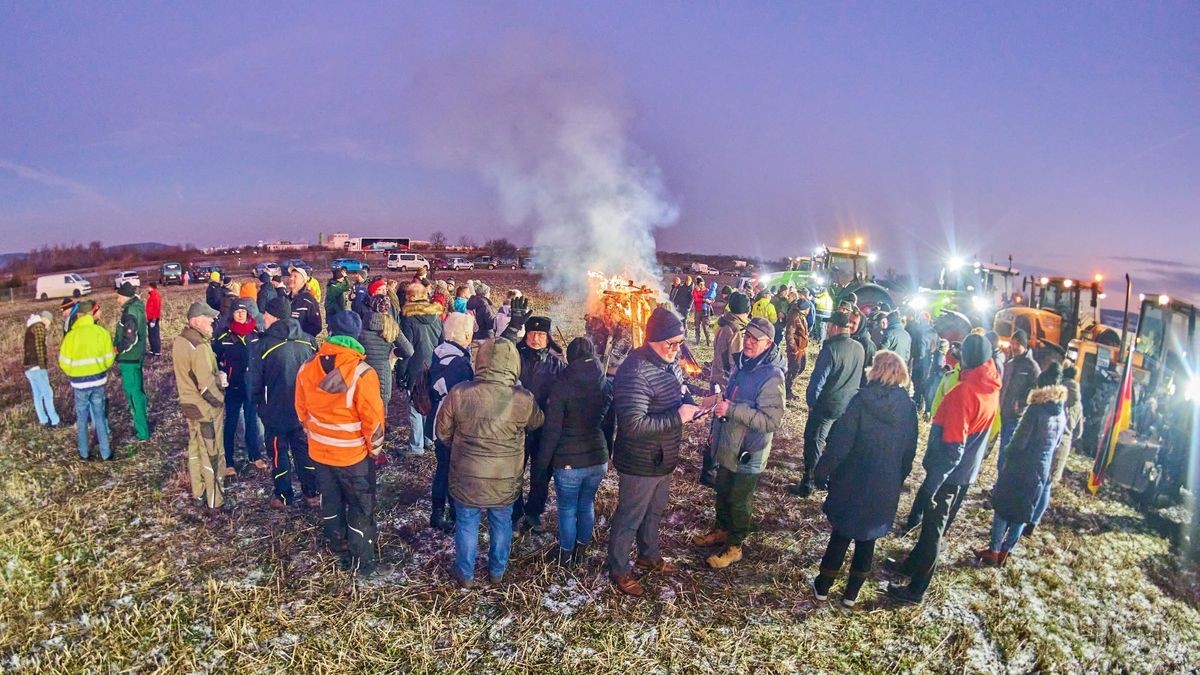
x,y
674,344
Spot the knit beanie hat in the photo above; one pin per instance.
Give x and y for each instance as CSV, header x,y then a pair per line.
x,y
1021,338
580,349
976,350
345,323
1051,376
126,290
738,303
662,326
279,308
374,286
264,278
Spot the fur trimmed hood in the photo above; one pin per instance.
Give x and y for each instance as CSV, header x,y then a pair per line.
x,y
1052,394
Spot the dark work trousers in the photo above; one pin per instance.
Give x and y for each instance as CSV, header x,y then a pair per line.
x,y
923,559
288,450
539,483
348,508
816,431
708,466
835,555
154,333
238,403
641,501
734,494
920,377
441,479
796,365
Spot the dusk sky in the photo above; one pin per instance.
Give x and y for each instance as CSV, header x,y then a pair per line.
x,y
1064,134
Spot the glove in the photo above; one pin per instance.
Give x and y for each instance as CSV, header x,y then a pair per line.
x,y
519,312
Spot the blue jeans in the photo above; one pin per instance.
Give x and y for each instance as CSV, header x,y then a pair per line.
x,y
1043,503
416,425
90,403
1004,534
1007,427
576,492
466,539
43,395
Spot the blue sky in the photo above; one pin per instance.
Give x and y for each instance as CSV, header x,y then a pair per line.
x,y
1065,134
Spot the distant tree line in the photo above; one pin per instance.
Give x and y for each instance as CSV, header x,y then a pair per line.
x,y
52,258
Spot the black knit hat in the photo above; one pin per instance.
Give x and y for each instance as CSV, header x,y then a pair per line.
x,y
1020,337
976,350
1051,376
279,308
345,323
663,325
738,303
126,290
580,348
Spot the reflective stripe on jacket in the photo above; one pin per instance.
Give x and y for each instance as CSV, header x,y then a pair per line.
x,y
86,353
339,404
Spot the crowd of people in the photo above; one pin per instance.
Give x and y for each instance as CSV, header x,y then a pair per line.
x,y
506,411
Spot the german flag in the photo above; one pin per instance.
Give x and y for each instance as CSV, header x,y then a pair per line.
x,y
1118,420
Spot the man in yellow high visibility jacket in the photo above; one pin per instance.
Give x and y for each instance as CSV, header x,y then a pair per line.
x,y
85,356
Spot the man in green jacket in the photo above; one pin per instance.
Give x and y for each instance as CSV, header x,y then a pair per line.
x,y
746,422
132,334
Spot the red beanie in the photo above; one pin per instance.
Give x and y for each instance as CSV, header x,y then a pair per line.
x,y
375,286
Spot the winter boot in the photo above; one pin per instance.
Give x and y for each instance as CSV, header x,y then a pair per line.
x,y
713,537
1002,558
904,594
628,585
580,553
989,557
726,558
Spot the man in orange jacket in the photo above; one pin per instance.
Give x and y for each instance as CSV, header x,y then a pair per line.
x,y
338,402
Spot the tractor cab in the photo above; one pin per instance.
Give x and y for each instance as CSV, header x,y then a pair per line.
x,y
974,290
1057,310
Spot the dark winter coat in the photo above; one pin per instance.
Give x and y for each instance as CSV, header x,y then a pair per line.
x,y
233,354
274,363
266,293
132,332
213,294
484,422
421,324
451,365
681,298
307,312
896,339
540,369
579,419
863,338
485,317
959,433
836,376
868,455
1029,455
1020,377
338,297
756,404
647,393
378,350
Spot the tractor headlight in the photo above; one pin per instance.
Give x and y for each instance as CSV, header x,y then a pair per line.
x,y
980,303
820,279
918,302
1193,390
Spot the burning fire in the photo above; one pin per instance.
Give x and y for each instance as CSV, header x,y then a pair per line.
x,y
616,316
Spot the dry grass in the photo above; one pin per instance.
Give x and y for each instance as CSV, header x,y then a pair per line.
x,y
105,566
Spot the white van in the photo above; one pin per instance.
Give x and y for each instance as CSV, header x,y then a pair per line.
x,y
406,262
65,285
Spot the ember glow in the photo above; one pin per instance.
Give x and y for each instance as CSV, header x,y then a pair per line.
x,y
616,316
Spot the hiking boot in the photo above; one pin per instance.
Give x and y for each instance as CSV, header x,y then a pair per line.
x,y
988,557
440,522
532,524
802,490
278,504
1002,558
628,585
713,537
230,472
660,565
904,594
726,558
463,582
562,557
260,464
897,566
580,553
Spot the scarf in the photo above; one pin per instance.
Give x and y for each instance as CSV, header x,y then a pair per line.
x,y
242,329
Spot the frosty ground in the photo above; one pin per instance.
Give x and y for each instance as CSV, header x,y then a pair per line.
x,y
105,566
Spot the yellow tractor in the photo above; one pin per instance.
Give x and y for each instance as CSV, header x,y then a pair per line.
x,y
1059,310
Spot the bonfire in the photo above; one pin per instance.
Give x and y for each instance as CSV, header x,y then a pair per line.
x,y
615,319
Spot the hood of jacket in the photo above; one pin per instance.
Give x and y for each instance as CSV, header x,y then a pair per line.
x,y
497,361
287,329
422,308
1056,393
885,402
982,378
446,349
583,371
737,322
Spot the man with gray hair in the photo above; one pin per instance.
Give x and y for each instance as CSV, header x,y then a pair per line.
x,y
202,401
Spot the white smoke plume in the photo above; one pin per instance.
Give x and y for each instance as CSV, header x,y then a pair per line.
x,y
549,135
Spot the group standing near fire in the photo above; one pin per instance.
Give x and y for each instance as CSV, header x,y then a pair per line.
x,y
507,411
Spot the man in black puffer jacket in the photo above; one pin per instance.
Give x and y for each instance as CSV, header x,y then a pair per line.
x,y
651,407
541,362
274,363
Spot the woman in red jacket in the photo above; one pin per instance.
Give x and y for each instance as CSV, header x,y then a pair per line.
x,y
153,317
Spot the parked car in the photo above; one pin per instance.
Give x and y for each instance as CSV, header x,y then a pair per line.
x,y
441,264
532,263
493,262
350,265
286,265
170,273
406,262
128,275
68,285
270,268
460,264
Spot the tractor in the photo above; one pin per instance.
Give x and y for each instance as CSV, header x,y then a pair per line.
x,y
1057,312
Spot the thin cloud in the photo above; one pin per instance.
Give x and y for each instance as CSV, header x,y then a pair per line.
x,y
79,190
1155,262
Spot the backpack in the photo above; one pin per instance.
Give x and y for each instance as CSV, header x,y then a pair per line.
x,y
419,396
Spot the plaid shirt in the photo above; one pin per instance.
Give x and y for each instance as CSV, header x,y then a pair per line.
x,y
35,346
